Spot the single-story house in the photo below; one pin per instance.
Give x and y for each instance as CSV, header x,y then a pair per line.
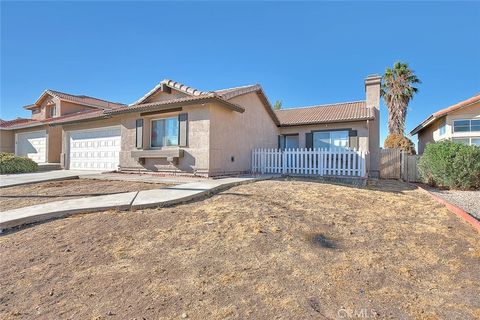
x,y
459,123
175,128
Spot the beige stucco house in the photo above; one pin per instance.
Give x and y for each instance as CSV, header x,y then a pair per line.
x,y
459,123
178,129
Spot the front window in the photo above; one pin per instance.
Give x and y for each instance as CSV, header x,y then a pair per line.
x,y
466,125
443,127
468,141
330,139
164,133
52,111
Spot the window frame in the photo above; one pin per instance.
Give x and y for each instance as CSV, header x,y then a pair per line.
x,y
331,146
469,139
52,111
442,129
283,137
151,130
469,125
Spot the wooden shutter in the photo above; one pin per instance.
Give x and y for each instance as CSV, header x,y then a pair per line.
x,y
139,134
353,139
183,129
281,142
309,140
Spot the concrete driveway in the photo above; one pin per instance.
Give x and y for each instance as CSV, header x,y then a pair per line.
x,y
10,180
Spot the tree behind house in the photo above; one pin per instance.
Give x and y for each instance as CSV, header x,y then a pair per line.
x,y
278,105
397,91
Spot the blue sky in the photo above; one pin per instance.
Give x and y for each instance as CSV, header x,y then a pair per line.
x,y
302,53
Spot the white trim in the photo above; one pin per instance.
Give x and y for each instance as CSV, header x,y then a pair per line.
x,y
470,120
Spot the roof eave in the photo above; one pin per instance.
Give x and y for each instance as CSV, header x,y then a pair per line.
x,y
99,117
166,105
31,125
326,122
425,123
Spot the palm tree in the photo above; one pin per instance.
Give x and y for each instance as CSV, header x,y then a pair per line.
x,y
397,91
278,105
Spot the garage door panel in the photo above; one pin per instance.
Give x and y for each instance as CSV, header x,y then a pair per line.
x,y
32,145
95,149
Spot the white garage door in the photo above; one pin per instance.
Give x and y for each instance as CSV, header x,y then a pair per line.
x,y
97,149
32,145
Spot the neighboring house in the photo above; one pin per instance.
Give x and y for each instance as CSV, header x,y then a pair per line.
x,y
459,123
175,128
37,137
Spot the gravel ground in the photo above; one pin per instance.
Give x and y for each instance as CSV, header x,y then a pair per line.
x,y
467,200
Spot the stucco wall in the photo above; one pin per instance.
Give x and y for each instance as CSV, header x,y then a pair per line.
x,y
7,141
44,108
69,108
161,96
428,135
235,134
54,144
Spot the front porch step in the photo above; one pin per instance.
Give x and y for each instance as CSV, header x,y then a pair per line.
x,y
49,166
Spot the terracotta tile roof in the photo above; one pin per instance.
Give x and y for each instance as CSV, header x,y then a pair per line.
x,y
14,122
174,85
338,112
57,120
425,123
226,94
168,103
237,91
80,99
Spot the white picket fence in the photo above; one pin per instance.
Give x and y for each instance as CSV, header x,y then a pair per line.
x,y
323,162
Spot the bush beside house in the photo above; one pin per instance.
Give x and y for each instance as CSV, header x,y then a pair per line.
x,y
9,163
398,141
452,165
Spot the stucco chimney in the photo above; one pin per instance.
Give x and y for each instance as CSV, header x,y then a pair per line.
x,y
372,91
372,99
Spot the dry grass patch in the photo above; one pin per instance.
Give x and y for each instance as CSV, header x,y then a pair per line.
x,y
38,193
272,249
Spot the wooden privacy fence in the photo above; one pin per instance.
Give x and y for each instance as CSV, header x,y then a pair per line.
x,y
397,164
390,163
323,162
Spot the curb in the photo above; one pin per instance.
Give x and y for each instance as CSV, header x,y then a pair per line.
x,y
453,208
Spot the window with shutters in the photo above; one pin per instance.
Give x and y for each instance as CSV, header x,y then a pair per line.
x,y
164,132
330,139
288,141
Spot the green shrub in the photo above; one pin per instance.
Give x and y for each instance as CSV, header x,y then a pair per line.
x,y
398,141
452,165
9,163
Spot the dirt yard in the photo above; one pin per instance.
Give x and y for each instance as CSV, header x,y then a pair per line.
x,y
267,250
31,194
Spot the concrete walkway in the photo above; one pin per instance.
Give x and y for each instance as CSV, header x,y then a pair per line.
x,y
121,201
143,177
10,180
